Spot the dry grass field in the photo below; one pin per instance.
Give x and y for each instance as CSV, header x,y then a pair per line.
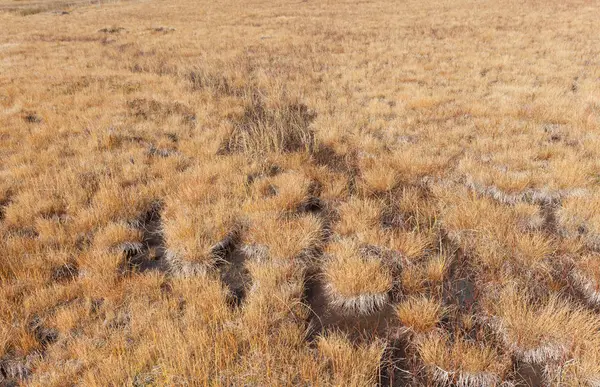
x,y
307,192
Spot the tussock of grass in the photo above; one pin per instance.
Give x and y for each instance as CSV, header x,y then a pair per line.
x,y
420,315
460,361
355,283
546,331
344,358
262,128
585,277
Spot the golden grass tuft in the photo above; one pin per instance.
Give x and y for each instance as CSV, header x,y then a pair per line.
x,y
585,277
355,283
460,361
279,126
542,332
420,315
345,359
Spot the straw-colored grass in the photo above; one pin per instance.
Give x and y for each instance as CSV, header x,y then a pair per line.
x,y
299,193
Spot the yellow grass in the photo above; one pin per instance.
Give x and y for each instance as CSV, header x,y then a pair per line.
x,y
420,315
191,190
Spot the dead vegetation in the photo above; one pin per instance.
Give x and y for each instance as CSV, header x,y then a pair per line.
x,y
323,193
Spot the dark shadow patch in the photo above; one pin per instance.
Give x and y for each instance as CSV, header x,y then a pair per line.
x,y
150,254
57,214
459,287
528,374
32,118
313,203
391,218
44,336
548,210
393,260
65,273
150,109
14,370
164,30
23,232
153,151
111,30
325,155
3,204
267,171
96,305
235,276
231,259
395,366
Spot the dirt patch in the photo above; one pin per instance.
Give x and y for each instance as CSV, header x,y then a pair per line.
x,y
164,30
266,171
3,204
528,374
460,286
392,218
154,151
313,204
548,210
26,8
395,365
235,275
324,317
348,164
231,258
44,335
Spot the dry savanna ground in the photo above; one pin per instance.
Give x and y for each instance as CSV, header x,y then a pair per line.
x,y
270,192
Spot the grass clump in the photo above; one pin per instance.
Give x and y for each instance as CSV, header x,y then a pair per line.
x,y
281,127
